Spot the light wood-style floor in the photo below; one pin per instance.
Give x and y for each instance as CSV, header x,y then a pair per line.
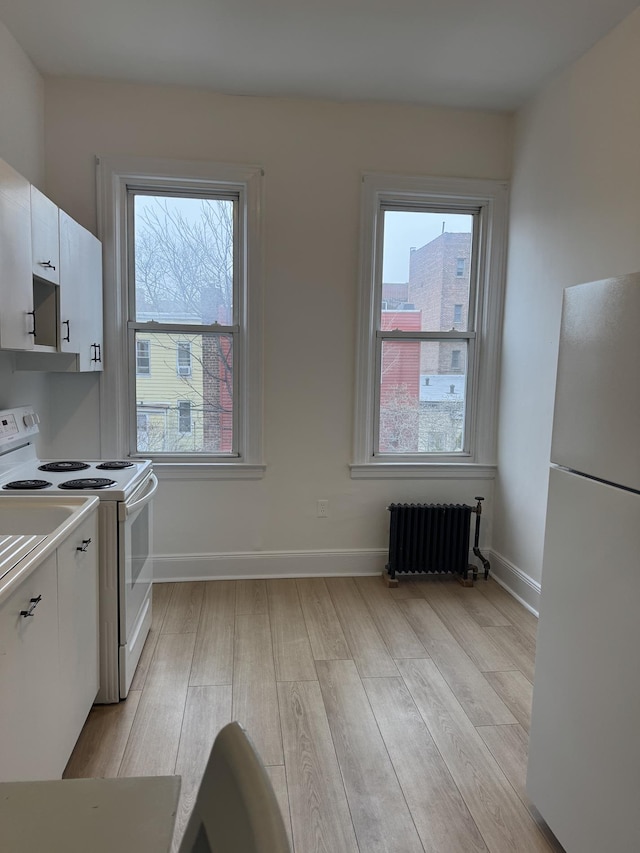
x,y
389,720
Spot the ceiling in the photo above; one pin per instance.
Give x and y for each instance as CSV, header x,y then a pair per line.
x,y
486,54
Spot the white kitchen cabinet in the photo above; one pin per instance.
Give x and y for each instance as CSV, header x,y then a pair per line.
x,y
16,284
45,241
80,293
29,683
50,282
49,667
78,629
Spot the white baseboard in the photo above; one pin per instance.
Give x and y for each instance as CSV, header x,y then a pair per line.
x,y
522,587
269,564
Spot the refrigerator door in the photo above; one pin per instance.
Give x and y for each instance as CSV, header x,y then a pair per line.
x,y
596,428
584,752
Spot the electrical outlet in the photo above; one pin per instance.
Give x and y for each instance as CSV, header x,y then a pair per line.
x,y
323,509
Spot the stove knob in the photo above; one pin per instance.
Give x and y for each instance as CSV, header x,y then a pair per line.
x,y
31,420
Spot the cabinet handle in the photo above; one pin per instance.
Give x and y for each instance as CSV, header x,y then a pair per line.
x,y
84,546
68,337
33,330
46,264
99,346
33,603
97,352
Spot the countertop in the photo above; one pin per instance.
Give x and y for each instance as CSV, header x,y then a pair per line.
x,y
27,548
135,815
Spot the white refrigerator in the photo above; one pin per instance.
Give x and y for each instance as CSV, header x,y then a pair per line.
x,y
584,753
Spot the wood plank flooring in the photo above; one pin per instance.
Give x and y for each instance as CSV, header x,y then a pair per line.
x,y
389,720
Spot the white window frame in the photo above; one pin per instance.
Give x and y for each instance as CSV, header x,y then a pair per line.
x,y
490,200
115,175
183,369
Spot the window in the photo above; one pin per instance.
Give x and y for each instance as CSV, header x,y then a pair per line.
x,y
143,358
183,259
426,392
183,361
184,416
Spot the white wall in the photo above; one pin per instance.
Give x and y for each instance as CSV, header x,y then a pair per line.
x,y
574,218
313,153
22,146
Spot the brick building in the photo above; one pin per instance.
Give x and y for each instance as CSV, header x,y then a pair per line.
x,y
439,287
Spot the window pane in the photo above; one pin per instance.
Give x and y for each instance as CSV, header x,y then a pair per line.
x,y
426,268
143,363
422,397
183,252
186,413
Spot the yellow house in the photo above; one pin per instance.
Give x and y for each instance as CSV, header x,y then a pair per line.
x,y
169,393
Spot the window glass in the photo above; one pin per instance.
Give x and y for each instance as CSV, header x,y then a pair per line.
x,y
183,275
423,295
143,360
184,416
184,358
207,393
422,403
184,257
420,263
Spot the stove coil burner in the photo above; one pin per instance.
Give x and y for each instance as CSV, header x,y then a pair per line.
x,y
88,483
27,484
114,466
63,466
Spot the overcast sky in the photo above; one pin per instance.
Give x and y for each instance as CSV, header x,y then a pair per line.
x,y
403,229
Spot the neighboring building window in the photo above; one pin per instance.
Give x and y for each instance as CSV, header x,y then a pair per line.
x,y
151,428
406,411
183,354
184,416
143,358
191,296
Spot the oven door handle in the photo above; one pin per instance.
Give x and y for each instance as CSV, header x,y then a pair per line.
x,y
130,509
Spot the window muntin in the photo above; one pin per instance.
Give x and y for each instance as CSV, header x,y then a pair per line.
x,y
183,253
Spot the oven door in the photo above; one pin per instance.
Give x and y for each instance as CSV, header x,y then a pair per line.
x,y
135,552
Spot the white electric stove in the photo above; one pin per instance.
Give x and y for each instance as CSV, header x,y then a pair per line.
x,y
126,488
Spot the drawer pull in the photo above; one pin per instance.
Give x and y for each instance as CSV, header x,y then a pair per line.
x,y
33,603
84,546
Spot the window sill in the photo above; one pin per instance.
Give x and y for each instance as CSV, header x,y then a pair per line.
x,y
208,471
422,471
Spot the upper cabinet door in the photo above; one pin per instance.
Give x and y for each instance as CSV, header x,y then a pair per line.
x,y
17,319
80,293
44,237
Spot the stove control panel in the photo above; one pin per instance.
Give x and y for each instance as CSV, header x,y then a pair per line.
x,y
18,423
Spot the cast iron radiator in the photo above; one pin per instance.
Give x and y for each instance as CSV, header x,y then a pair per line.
x,y
433,538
